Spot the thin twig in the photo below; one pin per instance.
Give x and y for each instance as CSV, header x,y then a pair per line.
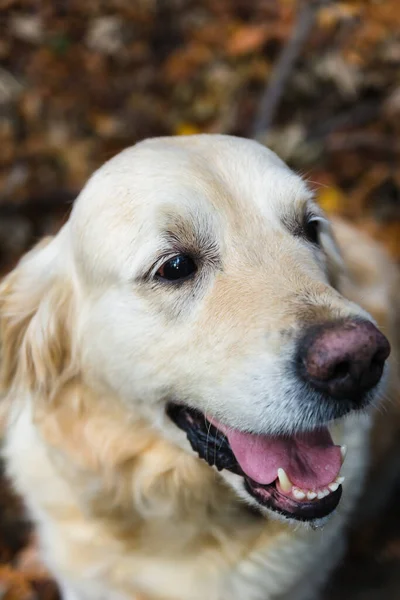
x,y
284,66
362,113
366,140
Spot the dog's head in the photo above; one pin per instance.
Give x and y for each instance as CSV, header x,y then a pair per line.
x,y
195,279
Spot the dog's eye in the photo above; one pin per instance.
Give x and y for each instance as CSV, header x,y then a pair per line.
x,y
177,268
312,229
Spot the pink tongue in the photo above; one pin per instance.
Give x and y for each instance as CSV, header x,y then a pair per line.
x,y
310,459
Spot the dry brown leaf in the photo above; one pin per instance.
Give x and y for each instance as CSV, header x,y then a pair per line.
x,y
185,61
14,586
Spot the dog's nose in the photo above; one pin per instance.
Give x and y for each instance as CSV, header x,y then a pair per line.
x,y
344,359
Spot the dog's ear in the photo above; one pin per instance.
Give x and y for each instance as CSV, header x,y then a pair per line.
x,y
36,310
334,259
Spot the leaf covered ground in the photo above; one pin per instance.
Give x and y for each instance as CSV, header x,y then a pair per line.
x,y
81,80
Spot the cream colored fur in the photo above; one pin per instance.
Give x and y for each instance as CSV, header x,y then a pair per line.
x,y
92,349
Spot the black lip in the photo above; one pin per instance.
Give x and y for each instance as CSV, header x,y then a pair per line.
x,y
268,495
212,446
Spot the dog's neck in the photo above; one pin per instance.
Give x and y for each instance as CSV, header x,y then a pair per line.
x,y
124,473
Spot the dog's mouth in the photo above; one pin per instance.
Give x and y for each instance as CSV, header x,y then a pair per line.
x,y
298,476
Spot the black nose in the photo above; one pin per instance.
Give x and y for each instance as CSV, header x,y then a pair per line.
x,y
343,359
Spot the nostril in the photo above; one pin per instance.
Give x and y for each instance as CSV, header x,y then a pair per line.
x,y
377,363
340,370
381,355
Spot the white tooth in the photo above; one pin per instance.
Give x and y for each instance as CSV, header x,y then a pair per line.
x,y
343,451
339,480
333,486
284,481
320,494
326,492
298,494
311,495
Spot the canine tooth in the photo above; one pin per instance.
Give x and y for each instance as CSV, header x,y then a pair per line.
x,y
343,452
333,486
284,481
298,494
339,480
311,495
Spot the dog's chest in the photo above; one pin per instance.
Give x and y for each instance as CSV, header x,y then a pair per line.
x,y
285,573
289,568
170,562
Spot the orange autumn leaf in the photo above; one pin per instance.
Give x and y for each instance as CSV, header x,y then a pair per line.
x,y
13,585
247,39
331,200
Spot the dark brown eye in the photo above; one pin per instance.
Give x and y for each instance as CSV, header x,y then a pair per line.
x,y
311,230
177,268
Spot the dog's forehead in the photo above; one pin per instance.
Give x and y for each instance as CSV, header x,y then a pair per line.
x,y
231,179
224,170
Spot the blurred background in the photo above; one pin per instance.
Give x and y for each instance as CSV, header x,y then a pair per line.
x,y
318,81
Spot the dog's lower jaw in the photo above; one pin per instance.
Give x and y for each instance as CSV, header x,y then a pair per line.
x,y
273,490
236,483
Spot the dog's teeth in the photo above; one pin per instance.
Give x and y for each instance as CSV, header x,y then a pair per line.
x,y
298,494
343,452
322,493
287,486
284,481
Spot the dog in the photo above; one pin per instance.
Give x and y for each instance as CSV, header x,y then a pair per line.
x,y
196,372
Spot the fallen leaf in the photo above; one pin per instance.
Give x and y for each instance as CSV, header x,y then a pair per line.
x,y
331,200
247,39
187,129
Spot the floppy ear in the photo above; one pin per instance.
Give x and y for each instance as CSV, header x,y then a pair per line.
x,y
334,258
36,310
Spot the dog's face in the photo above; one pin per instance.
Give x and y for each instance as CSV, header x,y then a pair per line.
x,y
203,274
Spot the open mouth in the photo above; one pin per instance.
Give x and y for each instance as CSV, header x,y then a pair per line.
x,y
297,476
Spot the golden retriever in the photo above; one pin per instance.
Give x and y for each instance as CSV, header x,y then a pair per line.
x,y
185,367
